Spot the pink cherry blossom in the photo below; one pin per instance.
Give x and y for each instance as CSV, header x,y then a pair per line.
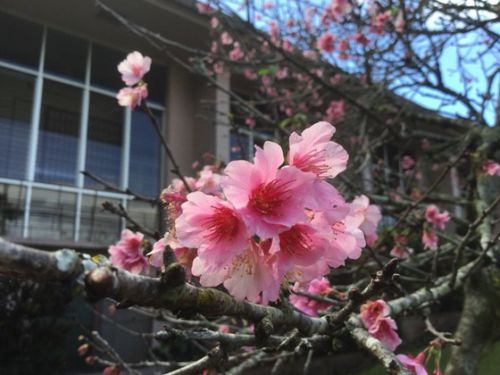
x,y
340,8
384,330
236,53
250,275
375,317
204,8
250,74
326,42
183,255
269,199
361,39
436,218
320,287
218,67
226,38
335,111
400,250
415,364
214,22
373,310
407,162
250,122
134,67
111,370
224,328
282,73
491,168
370,216
212,226
313,151
346,240
379,21
301,245
156,255
127,253
132,96
208,181
429,239
399,23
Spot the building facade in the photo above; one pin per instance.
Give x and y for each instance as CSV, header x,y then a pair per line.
x,y
59,116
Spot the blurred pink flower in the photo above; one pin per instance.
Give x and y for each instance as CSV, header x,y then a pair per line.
x,y
335,111
369,215
326,42
436,218
429,239
127,253
320,287
491,168
132,96
134,67
407,162
415,364
269,199
314,151
226,38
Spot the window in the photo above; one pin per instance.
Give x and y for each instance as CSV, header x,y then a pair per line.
x,y
16,101
58,138
52,214
24,49
144,156
60,116
105,138
12,200
244,141
65,55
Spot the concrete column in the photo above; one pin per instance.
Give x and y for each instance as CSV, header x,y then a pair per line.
x,y
222,125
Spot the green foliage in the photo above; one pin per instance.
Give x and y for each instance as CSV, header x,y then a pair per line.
x,y
33,326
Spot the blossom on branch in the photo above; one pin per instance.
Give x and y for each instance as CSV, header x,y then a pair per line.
x,y
134,67
320,287
128,253
132,96
375,318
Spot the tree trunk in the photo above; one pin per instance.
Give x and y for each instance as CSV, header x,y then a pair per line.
x,y
478,323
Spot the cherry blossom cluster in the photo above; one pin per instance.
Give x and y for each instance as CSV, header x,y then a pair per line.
x,y
327,40
434,219
417,364
319,287
133,69
261,223
376,319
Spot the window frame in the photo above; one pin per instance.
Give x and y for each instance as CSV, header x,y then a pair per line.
x,y
87,88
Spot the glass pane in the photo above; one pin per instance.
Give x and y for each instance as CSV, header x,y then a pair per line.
x,y
157,84
59,130
104,67
104,144
239,146
144,177
52,215
65,55
145,214
20,41
12,199
96,225
16,100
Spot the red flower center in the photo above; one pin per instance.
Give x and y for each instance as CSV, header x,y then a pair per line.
x,y
295,241
313,161
222,224
266,199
